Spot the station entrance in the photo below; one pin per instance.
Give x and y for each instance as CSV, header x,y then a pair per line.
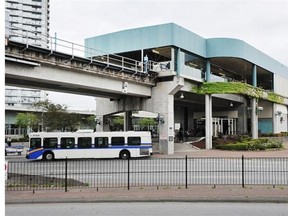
x,y
221,126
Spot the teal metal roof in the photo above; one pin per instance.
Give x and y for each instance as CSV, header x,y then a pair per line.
x,y
148,37
174,35
228,47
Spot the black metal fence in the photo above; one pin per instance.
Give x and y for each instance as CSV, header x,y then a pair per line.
x,y
64,174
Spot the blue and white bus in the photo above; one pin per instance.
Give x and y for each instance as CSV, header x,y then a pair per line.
x,y
89,144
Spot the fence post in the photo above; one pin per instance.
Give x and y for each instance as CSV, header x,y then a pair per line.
x,y
66,174
186,172
128,172
243,177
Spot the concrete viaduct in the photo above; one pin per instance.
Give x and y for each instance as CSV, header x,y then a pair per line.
x,y
118,89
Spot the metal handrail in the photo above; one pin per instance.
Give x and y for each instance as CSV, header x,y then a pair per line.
x,y
76,50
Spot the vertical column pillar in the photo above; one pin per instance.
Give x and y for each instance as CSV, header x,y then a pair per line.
x,y
162,102
166,128
142,60
232,126
208,71
179,61
100,127
172,64
128,120
254,119
274,117
241,124
208,121
208,111
254,114
254,76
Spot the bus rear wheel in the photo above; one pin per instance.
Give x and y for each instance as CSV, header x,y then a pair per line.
x,y
48,156
125,154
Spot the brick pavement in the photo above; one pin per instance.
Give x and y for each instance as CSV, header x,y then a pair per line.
x,y
193,193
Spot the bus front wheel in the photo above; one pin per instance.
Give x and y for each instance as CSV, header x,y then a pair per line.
x,y
48,156
125,154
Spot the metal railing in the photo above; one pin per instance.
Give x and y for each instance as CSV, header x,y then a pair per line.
x,y
58,45
64,174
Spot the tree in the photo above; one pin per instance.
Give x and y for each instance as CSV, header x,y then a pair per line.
x,y
117,123
89,121
55,117
27,120
147,121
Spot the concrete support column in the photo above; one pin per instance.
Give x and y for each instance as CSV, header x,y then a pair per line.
x,y
172,64
254,119
128,121
100,127
180,57
208,111
274,117
254,114
162,102
242,119
166,129
208,121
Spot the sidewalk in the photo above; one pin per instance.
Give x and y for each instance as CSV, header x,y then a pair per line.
x,y
183,149
210,193
161,194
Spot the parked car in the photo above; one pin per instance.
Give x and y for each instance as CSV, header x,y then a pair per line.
x,y
13,149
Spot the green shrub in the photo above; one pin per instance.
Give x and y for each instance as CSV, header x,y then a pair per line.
x,y
274,144
244,138
252,145
234,146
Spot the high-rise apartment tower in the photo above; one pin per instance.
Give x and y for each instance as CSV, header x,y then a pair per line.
x,y
28,21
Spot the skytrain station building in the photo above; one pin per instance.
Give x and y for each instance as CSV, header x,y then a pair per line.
x,y
210,86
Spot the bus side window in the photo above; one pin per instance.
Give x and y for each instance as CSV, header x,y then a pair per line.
x,y
134,141
84,142
101,142
67,142
35,143
50,143
118,141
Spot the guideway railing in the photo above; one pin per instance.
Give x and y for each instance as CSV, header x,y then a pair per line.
x,y
75,51
181,172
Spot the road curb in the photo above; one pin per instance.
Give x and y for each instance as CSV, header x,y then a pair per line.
x,y
107,200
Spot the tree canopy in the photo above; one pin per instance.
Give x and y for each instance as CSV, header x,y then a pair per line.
x,y
55,117
27,120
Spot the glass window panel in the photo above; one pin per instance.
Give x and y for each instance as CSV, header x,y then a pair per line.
x,y
50,142
84,142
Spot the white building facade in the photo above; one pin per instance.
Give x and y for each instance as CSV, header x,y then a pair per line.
x,y
16,101
28,21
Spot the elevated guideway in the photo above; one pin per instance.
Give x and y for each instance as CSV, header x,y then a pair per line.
x,y
63,67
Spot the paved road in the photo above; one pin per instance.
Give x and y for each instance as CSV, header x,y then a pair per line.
x,y
149,209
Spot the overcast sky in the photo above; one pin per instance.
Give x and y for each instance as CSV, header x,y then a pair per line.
x,y
262,24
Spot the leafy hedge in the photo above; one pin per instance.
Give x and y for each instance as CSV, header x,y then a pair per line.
x,y
252,145
282,134
237,88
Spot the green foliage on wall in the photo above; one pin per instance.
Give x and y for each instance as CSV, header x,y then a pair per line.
x,y
237,88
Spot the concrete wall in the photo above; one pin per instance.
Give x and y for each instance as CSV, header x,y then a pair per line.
x,y
280,85
280,120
